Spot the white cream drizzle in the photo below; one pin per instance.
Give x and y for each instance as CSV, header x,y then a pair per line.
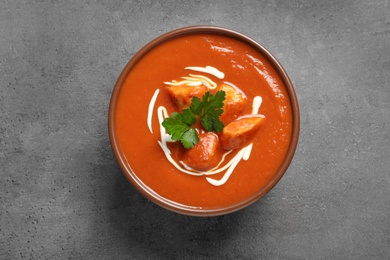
x,y
226,176
162,113
256,105
193,81
150,110
208,69
247,152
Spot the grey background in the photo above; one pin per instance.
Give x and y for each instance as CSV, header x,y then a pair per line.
x,y
62,194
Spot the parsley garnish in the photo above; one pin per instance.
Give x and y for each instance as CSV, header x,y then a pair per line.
x,y
208,109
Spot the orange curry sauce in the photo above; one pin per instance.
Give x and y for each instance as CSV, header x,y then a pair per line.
x,y
246,69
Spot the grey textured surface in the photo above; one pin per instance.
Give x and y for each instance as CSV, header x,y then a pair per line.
x,y
62,194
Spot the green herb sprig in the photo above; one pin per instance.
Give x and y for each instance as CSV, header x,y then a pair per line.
x,y
208,109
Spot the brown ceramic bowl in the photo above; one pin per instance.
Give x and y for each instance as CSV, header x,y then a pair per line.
x,y
171,205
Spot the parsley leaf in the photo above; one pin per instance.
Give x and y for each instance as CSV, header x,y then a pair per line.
x,y
175,126
189,138
188,117
196,106
209,109
212,110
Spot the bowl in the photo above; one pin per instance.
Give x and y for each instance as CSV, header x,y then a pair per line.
x,y
186,55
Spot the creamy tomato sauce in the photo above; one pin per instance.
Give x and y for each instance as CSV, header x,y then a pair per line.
x,y
138,132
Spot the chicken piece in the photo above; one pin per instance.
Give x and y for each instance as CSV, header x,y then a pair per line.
x,y
238,132
203,156
234,103
182,95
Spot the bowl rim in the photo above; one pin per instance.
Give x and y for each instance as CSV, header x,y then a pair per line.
x,y
199,211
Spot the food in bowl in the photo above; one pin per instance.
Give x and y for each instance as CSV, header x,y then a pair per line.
x,y
203,121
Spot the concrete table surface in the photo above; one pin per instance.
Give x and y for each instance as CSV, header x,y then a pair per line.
x,y
63,196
